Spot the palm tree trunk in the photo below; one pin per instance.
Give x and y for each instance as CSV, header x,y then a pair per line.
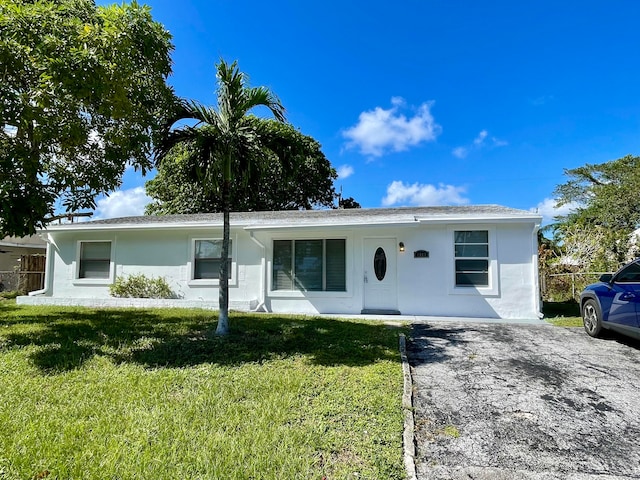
x,y
223,315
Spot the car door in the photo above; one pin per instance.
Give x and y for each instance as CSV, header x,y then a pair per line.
x,y
625,293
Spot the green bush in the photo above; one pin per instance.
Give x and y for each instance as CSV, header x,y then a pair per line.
x,y
141,286
565,286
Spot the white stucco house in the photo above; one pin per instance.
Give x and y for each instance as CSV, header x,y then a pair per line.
x,y
468,261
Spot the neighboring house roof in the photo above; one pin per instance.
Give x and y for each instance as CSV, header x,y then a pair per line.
x,y
314,218
33,241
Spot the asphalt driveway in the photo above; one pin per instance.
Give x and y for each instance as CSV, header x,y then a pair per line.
x,y
504,401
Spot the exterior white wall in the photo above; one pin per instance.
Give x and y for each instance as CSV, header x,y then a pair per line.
x,y
425,286
158,253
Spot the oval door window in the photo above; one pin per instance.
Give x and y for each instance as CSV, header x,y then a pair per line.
x,y
380,263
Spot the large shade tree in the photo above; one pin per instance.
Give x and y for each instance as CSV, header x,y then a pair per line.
x,y
606,197
82,89
230,146
306,184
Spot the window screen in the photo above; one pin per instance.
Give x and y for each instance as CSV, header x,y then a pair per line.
x,y
472,258
309,265
207,259
95,260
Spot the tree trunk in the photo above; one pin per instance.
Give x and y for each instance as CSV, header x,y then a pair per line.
x,y
223,316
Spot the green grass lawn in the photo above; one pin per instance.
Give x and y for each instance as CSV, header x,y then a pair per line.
x,y
562,314
140,394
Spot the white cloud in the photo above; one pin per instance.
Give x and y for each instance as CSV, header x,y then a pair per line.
x,y
479,140
478,143
398,102
400,193
345,171
460,152
379,131
547,208
122,203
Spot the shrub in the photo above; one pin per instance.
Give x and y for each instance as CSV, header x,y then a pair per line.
x,y
141,286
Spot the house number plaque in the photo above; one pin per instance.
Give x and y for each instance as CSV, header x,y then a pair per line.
x,y
420,254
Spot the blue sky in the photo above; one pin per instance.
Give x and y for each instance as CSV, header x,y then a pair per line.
x,y
426,102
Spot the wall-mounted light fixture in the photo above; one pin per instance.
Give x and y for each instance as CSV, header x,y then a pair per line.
x,y
401,246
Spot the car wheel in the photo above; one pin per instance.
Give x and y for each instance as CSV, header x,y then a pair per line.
x,y
591,318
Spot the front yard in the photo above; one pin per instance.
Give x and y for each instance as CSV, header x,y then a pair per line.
x,y
563,314
151,394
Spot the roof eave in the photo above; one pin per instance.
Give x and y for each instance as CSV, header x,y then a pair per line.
x,y
131,226
40,246
395,223
480,220
80,227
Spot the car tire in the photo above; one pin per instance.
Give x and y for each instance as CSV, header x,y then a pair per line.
x,y
591,318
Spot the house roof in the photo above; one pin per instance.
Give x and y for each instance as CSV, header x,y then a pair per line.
x,y
314,218
33,241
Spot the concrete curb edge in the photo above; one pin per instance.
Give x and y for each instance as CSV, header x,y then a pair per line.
x,y
408,440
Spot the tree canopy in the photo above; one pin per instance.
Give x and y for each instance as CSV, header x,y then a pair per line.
x,y
607,194
82,94
306,181
607,199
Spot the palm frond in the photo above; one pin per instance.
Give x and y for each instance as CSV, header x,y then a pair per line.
x,y
228,141
231,86
184,135
236,98
201,113
262,96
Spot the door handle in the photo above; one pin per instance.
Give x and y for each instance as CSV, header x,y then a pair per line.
x,y
366,279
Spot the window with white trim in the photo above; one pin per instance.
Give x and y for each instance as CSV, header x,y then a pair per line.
x,y
95,260
471,258
317,265
207,257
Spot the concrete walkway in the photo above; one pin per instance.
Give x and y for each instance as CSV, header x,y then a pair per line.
x,y
423,319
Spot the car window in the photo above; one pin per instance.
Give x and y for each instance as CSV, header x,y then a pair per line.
x,y
629,274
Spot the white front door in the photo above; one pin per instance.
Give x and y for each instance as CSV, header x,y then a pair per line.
x,y
380,289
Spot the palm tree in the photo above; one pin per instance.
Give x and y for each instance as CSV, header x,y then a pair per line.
x,y
226,137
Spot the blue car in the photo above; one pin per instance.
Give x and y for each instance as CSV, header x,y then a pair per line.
x,y
613,303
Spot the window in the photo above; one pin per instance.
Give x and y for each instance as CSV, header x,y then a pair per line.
x,y
630,274
207,259
95,260
472,258
309,265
